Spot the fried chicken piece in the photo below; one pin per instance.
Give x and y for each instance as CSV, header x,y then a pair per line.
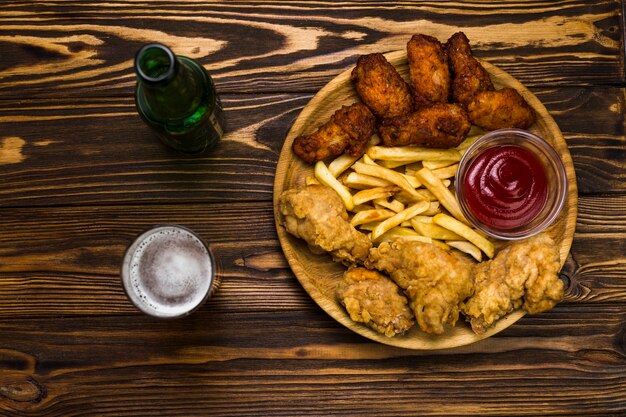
x,y
473,89
348,130
373,299
523,274
317,215
380,86
440,126
500,109
435,281
428,70
468,76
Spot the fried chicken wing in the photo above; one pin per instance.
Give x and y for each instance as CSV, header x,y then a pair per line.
x,y
441,126
468,76
348,130
500,109
373,299
381,87
473,89
317,215
428,70
435,281
523,274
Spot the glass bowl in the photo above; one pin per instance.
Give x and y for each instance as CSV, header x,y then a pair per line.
x,y
511,184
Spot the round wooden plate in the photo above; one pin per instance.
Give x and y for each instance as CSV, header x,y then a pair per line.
x,y
319,275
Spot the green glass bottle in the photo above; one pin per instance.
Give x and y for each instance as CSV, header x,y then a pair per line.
x,y
176,97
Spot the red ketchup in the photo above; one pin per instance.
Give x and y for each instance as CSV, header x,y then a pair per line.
x,y
505,186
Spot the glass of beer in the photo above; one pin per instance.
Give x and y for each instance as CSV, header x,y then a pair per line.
x,y
168,272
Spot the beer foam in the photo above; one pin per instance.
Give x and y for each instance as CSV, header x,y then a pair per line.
x,y
170,271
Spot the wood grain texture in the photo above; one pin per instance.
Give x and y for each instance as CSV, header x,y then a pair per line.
x,y
267,46
80,177
97,151
299,363
61,262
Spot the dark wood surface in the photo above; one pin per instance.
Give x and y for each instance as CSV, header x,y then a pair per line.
x,y
81,176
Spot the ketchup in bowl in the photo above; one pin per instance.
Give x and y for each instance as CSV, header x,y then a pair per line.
x,y
511,184
505,186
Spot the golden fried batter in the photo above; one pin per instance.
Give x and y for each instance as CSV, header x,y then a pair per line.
x,y
473,89
523,274
317,215
380,86
435,281
348,130
428,70
468,76
440,126
373,299
500,109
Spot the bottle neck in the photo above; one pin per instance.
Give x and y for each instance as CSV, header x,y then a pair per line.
x,y
169,84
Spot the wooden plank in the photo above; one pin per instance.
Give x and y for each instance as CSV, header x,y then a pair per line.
x,y
99,152
263,46
297,363
65,261
115,159
596,138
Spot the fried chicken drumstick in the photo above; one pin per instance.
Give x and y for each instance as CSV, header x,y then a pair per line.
x,y
435,281
348,130
317,215
435,122
473,89
373,299
428,70
468,76
381,87
523,274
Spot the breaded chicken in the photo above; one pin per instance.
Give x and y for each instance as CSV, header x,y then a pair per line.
x,y
523,274
435,281
348,130
468,76
500,109
373,299
440,126
473,89
381,87
428,70
317,215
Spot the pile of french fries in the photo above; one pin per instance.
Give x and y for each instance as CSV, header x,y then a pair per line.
x,y
405,192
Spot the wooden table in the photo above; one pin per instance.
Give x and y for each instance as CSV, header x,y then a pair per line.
x,y
81,176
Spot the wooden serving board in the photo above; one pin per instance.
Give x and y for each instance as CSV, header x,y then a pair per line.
x,y
319,275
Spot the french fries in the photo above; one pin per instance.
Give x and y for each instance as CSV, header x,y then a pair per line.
x,y
465,246
404,215
368,216
437,164
446,172
393,205
434,231
342,163
325,177
345,161
362,181
364,196
410,154
387,174
404,193
443,194
462,229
